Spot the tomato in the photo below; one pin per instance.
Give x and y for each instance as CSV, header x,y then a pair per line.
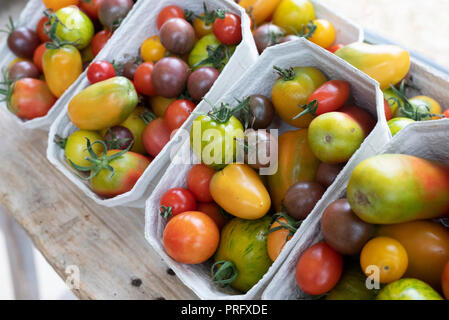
x,y
167,13
228,29
100,71
100,40
203,26
427,245
292,90
293,15
191,237
103,104
198,181
214,212
200,53
160,104
239,190
243,246
38,55
13,62
388,114
62,66
397,124
335,47
41,28
58,4
259,10
90,7
408,289
277,239
75,147
155,136
136,125
143,80
296,163
318,270
28,98
395,188
152,49
445,281
176,201
351,286
446,113
432,105
393,100
178,112
324,34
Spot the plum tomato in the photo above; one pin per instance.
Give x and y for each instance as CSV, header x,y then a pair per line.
x,y
112,12
177,36
191,237
228,29
198,181
118,138
100,71
214,212
167,13
42,29
152,49
343,230
319,269
178,112
200,82
38,55
387,255
176,201
155,136
170,76
267,35
143,79
301,198
22,41
261,112
75,147
100,40
23,69
327,173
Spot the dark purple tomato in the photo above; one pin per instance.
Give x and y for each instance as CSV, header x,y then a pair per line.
x,y
118,137
23,69
112,12
301,198
261,112
343,230
23,41
257,151
200,82
129,69
267,35
177,36
288,38
170,76
327,173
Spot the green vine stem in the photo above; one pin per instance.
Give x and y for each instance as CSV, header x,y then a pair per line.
x,y
166,212
224,112
56,42
224,273
215,56
286,74
147,117
291,225
310,107
10,27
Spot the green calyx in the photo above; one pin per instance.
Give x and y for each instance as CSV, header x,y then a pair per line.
x,y
286,74
210,16
216,57
224,112
310,107
224,273
114,142
9,27
166,212
307,30
56,42
60,141
98,162
291,225
8,91
147,117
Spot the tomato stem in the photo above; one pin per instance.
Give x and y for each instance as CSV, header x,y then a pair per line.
x,y
224,112
217,57
60,141
166,212
224,273
10,27
310,107
286,74
56,42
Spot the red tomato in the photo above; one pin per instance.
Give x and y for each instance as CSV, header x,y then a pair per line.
x,y
331,96
198,181
90,7
40,29
169,12
191,237
214,212
387,108
335,47
363,117
176,201
142,79
445,281
100,71
38,54
177,113
228,30
100,40
319,269
155,136
446,113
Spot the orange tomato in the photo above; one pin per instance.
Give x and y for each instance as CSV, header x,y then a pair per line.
x,y
259,10
58,4
152,49
324,34
276,240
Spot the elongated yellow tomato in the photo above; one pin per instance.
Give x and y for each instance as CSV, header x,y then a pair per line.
x,y
296,162
293,15
432,104
103,104
239,190
387,64
259,10
62,66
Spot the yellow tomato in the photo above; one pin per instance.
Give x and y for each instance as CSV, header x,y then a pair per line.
x,y
58,4
433,105
75,148
136,125
324,34
259,10
201,27
387,255
293,15
239,190
159,104
152,49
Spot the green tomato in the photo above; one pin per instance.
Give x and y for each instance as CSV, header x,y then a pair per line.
x,y
397,124
75,147
215,143
199,53
75,26
408,289
351,286
244,243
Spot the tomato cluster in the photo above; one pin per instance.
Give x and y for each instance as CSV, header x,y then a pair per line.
x,y
51,57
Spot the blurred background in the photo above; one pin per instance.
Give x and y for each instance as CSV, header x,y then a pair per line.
x,y
421,26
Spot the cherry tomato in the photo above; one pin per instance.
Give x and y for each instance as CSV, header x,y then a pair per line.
x,y
387,107
155,136
202,27
58,4
446,113
152,49
214,212
23,41
176,201
177,36
167,13
75,147
143,79
40,29
335,47
445,281
198,181
100,40
319,269
191,237
90,7
228,30
331,96
388,255
23,69
100,71
177,113
324,34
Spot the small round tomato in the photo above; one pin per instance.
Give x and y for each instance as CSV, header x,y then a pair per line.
x,y
387,255
41,28
100,40
176,201
159,105
152,49
293,15
319,269
75,147
90,7
202,26
445,281
228,30
58,4
198,181
167,13
38,55
100,71
155,136
178,112
324,34
214,212
335,47
446,113
143,79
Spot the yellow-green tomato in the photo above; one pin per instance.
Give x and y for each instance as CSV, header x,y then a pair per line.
x,y
76,147
408,289
292,15
397,124
239,190
74,26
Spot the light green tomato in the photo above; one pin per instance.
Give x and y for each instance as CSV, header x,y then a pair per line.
x,y
75,26
200,53
397,124
408,289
